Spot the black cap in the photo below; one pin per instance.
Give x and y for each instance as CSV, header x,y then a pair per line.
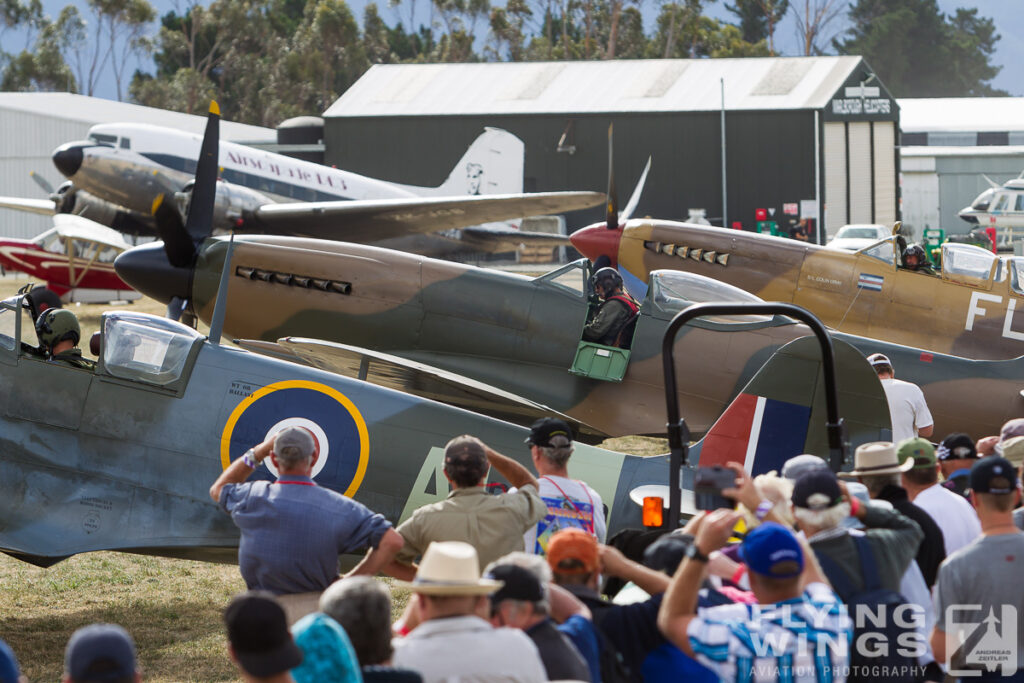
x,y
993,474
956,446
666,554
817,490
547,428
520,584
258,633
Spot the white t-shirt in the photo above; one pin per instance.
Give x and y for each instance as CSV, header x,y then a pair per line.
x,y
571,503
469,650
907,409
954,515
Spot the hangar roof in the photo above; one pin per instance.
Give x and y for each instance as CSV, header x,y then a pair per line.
x,y
92,110
967,114
642,85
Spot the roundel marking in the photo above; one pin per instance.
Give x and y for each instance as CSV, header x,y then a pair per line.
x,y
336,423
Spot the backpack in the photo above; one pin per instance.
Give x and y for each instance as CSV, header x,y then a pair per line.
x,y
890,666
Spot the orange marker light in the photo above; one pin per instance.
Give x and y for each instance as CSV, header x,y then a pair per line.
x,y
654,511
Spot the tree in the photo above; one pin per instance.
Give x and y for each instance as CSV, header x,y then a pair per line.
x,y
813,21
43,68
917,52
758,19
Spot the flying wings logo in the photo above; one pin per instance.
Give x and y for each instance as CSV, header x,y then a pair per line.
x,y
979,643
870,282
336,423
760,432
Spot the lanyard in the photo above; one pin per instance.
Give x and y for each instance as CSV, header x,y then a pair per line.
x,y
296,483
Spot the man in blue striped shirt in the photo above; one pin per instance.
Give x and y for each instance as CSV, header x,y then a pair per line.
x,y
798,633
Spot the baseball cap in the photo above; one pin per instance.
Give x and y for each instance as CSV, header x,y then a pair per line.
x,y
817,490
298,438
520,584
667,553
100,652
921,450
879,359
772,550
549,431
796,466
956,446
573,544
1014,427
9,672
993,474
258,633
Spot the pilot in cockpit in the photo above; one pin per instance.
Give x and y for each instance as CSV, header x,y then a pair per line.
x,y
59,333
610,325
914,259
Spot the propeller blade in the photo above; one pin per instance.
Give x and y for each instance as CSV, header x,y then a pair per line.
x,y
175,308
178,244
199,222
634,199
42,182
612,200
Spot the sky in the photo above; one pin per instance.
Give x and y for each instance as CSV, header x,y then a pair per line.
x,y
1007,15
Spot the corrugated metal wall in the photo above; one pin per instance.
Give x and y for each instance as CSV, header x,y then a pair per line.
x,y
25,146
961,179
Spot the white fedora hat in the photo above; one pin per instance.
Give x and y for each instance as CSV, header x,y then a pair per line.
x,y
877,457
451,568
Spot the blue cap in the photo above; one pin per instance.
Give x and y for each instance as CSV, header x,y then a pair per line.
x,y
8,664
100,652
772,550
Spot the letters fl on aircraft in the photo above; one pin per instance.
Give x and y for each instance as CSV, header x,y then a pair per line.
x,y
971,309
129,165
121,457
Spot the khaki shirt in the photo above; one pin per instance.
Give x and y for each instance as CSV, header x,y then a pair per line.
x,y
494,525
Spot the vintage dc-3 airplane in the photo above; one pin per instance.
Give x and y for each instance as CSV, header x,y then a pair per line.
x,y
122,168
121,457
75,258
969,309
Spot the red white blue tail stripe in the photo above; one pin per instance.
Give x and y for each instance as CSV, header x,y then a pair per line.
x,y
760,432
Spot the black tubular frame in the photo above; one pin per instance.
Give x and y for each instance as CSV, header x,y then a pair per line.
x,y
679,433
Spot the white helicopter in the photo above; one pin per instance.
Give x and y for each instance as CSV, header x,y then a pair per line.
x,y
1000,207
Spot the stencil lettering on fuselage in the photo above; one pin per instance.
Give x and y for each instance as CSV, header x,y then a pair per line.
x,y
431,484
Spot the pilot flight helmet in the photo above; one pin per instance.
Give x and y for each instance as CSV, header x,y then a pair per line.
x,y
54,325
608,278
914,250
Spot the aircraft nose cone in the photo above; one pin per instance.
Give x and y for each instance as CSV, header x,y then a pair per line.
x,y
68,158
147,269
597,240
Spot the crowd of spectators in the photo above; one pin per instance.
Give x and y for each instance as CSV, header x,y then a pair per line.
x,y
904,570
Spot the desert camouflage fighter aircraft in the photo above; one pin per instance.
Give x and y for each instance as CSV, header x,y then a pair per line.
x,y
122,457
968,309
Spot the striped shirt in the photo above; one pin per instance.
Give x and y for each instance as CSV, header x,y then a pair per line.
x,y
802,640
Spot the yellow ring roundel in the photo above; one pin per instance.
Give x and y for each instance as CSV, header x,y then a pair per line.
x,y
304,399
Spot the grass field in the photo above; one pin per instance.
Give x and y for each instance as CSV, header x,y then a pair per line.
x,y
171,607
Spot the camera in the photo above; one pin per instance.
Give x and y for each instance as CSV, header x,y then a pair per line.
x,y
708,485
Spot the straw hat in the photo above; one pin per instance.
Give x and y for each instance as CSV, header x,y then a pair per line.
x,y
877,457
451,568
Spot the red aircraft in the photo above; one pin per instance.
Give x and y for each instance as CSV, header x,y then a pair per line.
x,y
75,258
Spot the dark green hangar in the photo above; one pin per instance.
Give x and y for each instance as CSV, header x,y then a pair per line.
x,y
811,139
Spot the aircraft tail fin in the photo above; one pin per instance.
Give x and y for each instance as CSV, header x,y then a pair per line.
x,y
493,164
781,412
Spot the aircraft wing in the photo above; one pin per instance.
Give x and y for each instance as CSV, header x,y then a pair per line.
x,y
408,376
496,240
372,220
40,206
